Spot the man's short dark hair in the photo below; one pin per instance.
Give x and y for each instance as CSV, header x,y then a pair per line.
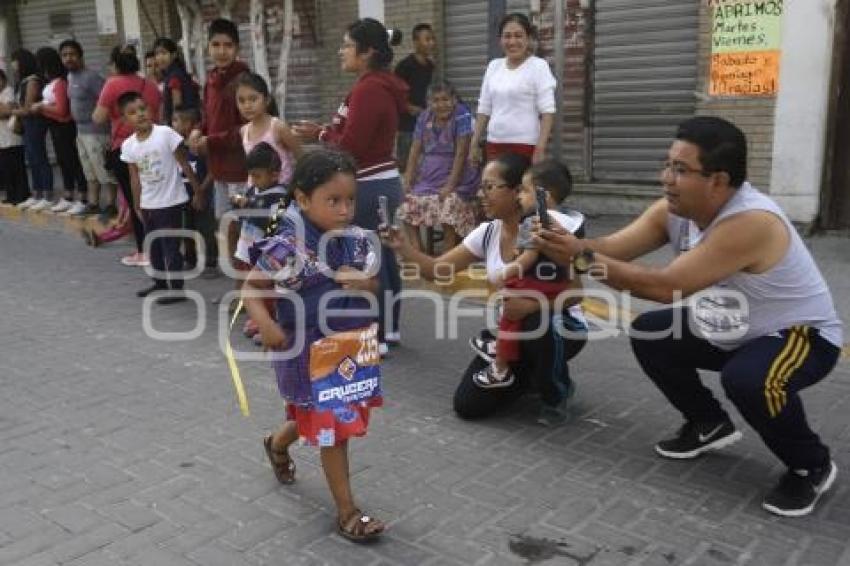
x,y
723,146
73,44
420,28
263,156
225,27
128,98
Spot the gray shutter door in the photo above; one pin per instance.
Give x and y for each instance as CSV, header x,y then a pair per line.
x,y
644,79
466,42
47,22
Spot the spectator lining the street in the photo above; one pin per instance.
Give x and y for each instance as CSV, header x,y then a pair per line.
x,y
288,262
365,126
516,106
259,110
84,86
218,138
416,70
178,88
13,172
264,196
440,182
201,220
126,79
56,108
28,86
156,155
542,365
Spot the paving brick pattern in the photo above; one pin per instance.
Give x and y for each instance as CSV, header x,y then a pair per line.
x,y
116,449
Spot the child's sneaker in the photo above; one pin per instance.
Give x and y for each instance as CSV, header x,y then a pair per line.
x,y
491,377
486,349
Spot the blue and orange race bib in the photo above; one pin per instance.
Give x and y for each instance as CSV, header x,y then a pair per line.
x,y
345,368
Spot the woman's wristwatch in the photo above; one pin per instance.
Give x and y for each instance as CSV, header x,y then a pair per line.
x,y
583,261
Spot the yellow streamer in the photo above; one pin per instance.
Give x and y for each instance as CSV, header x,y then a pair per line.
x,y
234,369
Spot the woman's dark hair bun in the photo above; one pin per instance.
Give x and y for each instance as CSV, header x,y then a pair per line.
x,y
395,36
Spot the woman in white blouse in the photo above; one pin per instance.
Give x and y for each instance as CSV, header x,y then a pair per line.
x,y
517,100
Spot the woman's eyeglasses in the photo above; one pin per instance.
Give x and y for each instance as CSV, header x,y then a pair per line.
x,y
487,187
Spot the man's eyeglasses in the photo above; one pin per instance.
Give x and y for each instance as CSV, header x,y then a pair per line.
x,y
679,169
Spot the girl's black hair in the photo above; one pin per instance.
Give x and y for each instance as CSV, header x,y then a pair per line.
x,y
50,63
3,76
27,65
125,60
518,18
257,82
513,166
370,33
317,167
169,45
554,176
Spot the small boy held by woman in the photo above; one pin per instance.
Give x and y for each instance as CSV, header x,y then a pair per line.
x,y
530,271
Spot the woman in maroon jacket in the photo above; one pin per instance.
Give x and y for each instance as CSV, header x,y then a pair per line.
x,y
365,126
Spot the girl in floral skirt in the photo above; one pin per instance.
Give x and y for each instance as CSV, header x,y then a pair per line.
x,y
440,182
328,373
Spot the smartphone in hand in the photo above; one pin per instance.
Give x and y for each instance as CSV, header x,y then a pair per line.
x,y
542,207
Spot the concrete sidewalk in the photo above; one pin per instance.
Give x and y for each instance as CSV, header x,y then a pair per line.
x,y
117,449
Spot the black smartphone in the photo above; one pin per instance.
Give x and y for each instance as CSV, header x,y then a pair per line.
x,y
542,208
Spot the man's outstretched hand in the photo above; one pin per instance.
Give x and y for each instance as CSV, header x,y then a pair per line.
x,y
558,245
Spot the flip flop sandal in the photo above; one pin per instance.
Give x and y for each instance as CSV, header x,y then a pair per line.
x,y
282,464
486,378
360,528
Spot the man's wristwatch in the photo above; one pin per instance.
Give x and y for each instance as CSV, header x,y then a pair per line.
x,y
583,261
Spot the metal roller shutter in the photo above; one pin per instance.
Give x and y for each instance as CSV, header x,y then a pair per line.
x,y
644,77
466,42
47,22
573,74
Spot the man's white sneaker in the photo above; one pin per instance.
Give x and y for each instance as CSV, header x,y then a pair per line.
x,y
76,209
27,203
43,204
61,206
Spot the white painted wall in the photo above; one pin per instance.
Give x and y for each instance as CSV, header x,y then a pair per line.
x,y
799,139
371,9
132,24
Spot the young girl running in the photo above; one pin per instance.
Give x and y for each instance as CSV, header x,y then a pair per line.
x,y
179,90
441,188
334,380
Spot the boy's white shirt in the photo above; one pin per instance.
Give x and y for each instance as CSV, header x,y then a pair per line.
x,y
160,175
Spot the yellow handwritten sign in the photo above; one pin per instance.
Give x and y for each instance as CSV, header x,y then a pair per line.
x,y
745,47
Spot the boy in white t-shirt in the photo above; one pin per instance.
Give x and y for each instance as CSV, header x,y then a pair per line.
x,y
156,155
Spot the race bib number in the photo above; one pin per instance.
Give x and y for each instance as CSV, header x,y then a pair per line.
x,y
345,368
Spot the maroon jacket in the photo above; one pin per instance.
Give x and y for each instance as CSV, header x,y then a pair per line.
x,y
221,123
366,123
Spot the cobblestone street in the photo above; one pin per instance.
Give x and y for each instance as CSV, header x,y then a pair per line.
x,y
118,449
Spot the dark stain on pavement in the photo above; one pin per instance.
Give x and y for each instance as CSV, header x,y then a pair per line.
x,y
535,550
